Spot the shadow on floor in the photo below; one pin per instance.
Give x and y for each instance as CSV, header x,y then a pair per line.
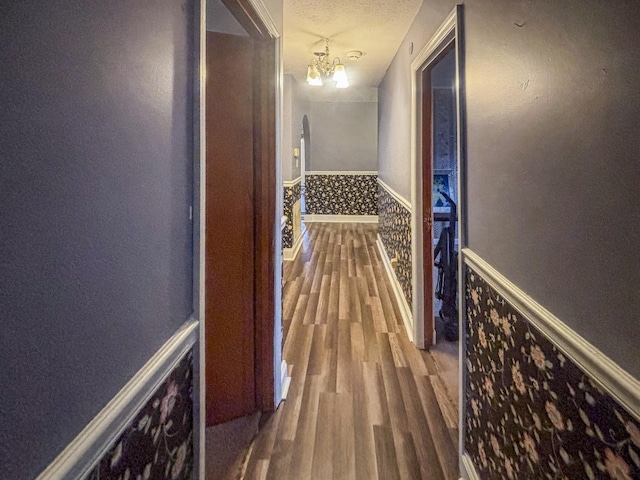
x,y
227,447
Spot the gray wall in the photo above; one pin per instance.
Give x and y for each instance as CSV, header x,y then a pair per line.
x,y
344,136
95,243
394,99
553,148
299,107
288,123
295,106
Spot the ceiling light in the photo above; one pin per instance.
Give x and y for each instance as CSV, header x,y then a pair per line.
x,y
340,76
313,76
322,64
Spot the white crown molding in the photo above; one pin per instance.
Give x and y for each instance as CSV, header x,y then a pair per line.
x,y
93,442
291,183
623,387
264,14
405,311
340,218
354,172
399,198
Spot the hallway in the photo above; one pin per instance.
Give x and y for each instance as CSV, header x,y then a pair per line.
x,y
363,402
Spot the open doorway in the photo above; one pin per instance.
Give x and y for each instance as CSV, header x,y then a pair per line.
x,y
440,81
438,198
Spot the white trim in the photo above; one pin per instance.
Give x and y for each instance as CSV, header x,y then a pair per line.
x,y
399,198
467,468
405,311
290,254
353,172
437,42
442,38
93,442
340,218
263,12
283,222
285,379
292,183
279,200
622,386
199,204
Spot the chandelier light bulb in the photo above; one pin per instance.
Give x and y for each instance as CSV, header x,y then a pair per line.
x,y
313,76
340,76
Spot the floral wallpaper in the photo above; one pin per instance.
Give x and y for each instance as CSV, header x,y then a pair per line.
x,y
341,194
444,125
158,444
394,227
531,413
291,196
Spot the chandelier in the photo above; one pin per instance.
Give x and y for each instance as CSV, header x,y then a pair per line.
x,y
322,64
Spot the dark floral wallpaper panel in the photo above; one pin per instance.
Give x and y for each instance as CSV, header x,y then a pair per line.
x,y
531,413
158,444
291,196
341,194
394,227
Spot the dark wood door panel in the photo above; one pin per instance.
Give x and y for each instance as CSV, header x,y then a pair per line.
x,y
427,208
230,329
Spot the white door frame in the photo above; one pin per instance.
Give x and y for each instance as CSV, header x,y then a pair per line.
x,y
451,30
444,36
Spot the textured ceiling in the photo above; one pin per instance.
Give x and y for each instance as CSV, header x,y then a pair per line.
x,y
375,27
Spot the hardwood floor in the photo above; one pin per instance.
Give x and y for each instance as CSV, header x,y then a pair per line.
x,y
363,403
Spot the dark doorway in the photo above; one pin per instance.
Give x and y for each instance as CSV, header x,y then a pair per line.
x,y
439,180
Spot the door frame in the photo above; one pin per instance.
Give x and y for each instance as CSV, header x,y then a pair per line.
x,y
451,30
254,16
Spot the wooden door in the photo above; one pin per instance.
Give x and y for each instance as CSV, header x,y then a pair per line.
x,y
230,224
427,208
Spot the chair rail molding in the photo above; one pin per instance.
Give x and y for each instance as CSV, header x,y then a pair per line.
x,y
399,198
622,386
82,454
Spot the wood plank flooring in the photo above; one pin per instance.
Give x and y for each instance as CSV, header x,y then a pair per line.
x,y
364,403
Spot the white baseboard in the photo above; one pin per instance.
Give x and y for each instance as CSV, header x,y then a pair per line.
x,y
467,468
405,311
290,254
93,442
341,218
285,379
